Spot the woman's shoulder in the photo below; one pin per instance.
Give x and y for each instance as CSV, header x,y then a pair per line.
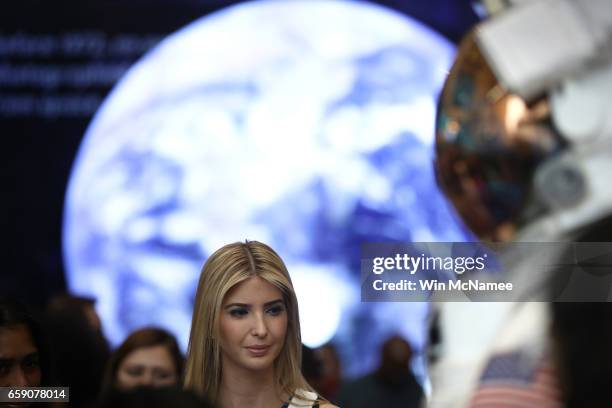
x,y
327,405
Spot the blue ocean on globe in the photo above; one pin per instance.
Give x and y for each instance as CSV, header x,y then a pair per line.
x,y
307,125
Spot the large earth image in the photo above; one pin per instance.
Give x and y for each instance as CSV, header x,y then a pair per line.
x,y
304,124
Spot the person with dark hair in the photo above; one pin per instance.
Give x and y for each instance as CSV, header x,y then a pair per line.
x,y
331,369
23,361
312,368
392,385
78,349
147,357
84,305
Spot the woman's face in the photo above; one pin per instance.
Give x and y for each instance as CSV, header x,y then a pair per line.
x,y
19,358
147,366
253,325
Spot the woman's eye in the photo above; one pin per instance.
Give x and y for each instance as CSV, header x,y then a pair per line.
x,y
134,371
238,312
31,362
163,375
275,310
5,367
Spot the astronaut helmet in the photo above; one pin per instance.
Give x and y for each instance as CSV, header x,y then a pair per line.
x,y
524,125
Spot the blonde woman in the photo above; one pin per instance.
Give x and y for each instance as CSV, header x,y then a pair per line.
x,y
245,345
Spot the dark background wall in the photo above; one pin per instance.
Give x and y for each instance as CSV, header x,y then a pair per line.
x,y
58,60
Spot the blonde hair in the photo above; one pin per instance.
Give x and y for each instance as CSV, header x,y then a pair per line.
x,y
223,270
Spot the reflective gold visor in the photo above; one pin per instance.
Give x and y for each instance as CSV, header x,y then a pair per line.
x,y
488,144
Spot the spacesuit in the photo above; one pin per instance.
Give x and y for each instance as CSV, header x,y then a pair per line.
x,y
524,153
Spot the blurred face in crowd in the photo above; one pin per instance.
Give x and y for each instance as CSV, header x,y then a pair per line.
x,y
19,359
147,366
253,325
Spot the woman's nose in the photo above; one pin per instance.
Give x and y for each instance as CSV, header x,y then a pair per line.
x,y
260,329
146,378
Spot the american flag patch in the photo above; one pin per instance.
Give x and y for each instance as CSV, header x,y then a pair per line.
x,y
517,380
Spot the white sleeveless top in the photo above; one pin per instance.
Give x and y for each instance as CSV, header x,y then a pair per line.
x,y
303,398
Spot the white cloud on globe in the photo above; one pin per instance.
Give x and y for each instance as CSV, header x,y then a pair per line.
x,y
321,298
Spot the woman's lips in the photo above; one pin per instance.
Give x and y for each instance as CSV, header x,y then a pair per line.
x,y
258,351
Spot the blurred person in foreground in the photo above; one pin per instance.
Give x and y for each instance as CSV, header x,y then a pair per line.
x,y
245,343
152,397
147,357
524,153
581,334
392,385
